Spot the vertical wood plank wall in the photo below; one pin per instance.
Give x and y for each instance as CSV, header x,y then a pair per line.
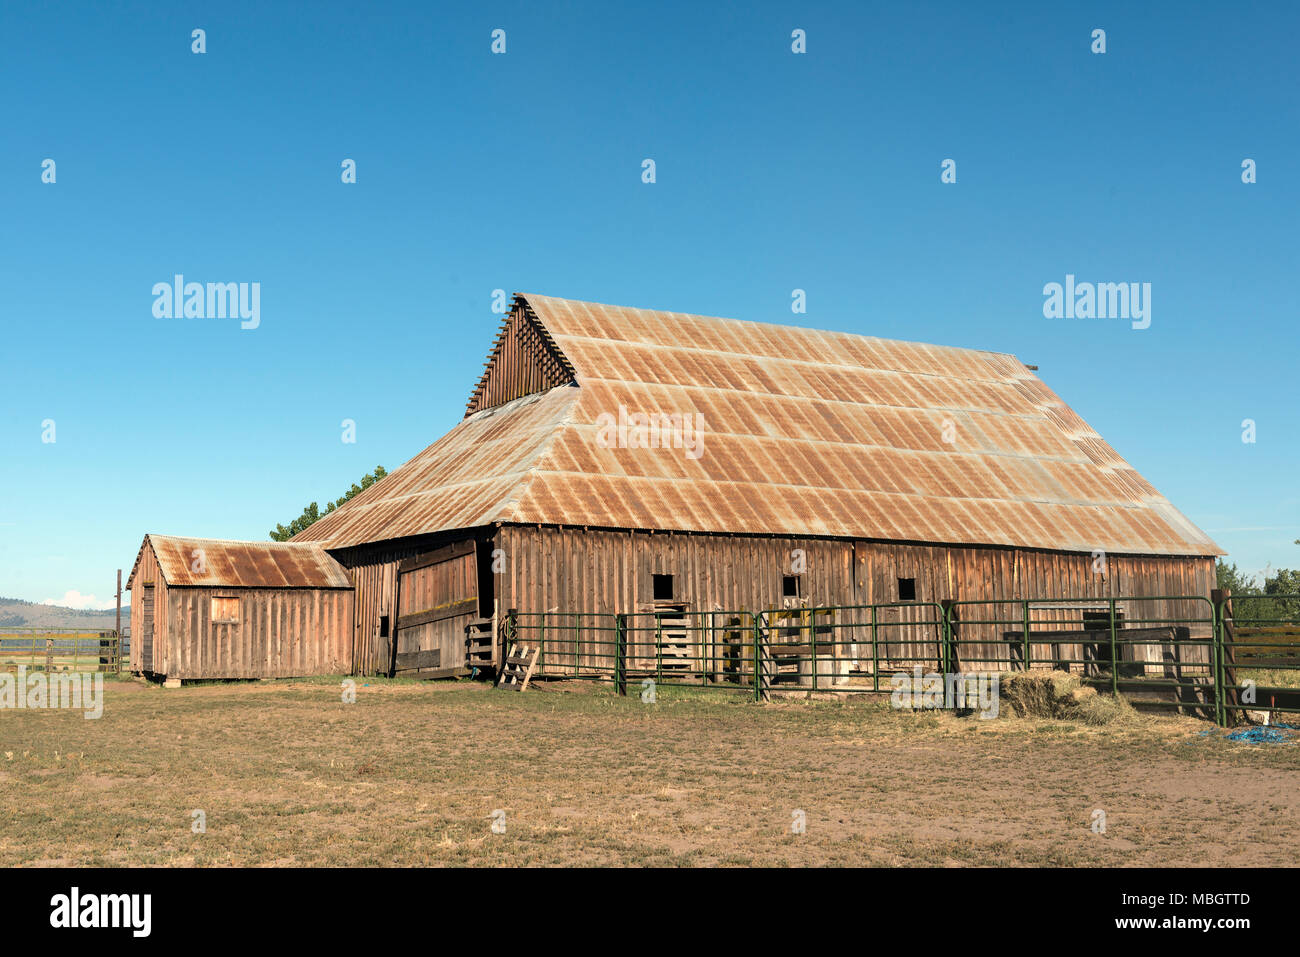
x,y
611,571
374,573
437,584
147,571
524,361
444,578
281,633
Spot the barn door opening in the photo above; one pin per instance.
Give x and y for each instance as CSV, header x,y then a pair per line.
x,y
146,629
437,597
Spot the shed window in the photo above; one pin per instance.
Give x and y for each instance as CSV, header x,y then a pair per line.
x,y
663,587
790,586
225,609
907,589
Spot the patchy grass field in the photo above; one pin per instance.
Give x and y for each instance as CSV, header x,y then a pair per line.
x,y
410,774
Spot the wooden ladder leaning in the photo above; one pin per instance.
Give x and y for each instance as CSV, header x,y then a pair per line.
x,y
518,667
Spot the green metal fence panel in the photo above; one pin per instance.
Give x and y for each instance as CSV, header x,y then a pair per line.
x,y
1162,647
1174,651
1260,654
674,649
846,648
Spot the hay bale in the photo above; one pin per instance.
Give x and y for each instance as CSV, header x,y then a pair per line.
x,y
1100,709
1060,695
1035,694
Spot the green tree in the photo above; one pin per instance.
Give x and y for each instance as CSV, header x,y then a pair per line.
x,y
1230,576
312,512
1261,605
1285,581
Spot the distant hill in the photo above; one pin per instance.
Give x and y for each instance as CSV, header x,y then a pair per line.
x,y
16,613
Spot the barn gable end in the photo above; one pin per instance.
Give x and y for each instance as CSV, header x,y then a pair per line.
x,y
524,360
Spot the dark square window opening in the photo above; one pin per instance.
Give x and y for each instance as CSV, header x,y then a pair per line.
x,y
663,587
1100,620
790,586
907,589
1097,654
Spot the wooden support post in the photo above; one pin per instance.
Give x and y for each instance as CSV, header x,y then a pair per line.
x,y
117,630
511,632
1028,650
1114,653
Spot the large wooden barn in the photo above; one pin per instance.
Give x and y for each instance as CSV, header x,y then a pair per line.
x,y
621,460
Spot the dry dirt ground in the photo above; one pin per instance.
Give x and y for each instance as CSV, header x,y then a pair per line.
x,y
410,774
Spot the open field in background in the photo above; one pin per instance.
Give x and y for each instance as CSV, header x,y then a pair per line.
x,y
410,774
1268,644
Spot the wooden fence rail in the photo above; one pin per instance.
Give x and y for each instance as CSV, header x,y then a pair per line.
x,y
60,650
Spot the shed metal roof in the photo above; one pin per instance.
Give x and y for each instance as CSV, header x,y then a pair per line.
x,y
805,433
216,563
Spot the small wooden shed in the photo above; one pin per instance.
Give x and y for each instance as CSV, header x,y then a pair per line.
x,y
203,608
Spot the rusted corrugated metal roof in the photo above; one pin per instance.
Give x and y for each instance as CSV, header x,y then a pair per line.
x,y
803,433
215,563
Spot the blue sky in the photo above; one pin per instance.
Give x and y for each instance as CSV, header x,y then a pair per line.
x,y
522,171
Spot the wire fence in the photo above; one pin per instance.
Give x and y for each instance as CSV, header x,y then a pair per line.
x,y
1183,652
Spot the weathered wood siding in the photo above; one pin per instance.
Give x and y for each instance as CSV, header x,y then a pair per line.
x,y
374,571
281,633
437,598
524,361
605,571
147,580
375,578
611,571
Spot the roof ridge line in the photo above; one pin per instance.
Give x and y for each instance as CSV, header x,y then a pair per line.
x,y
783,327
225,541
